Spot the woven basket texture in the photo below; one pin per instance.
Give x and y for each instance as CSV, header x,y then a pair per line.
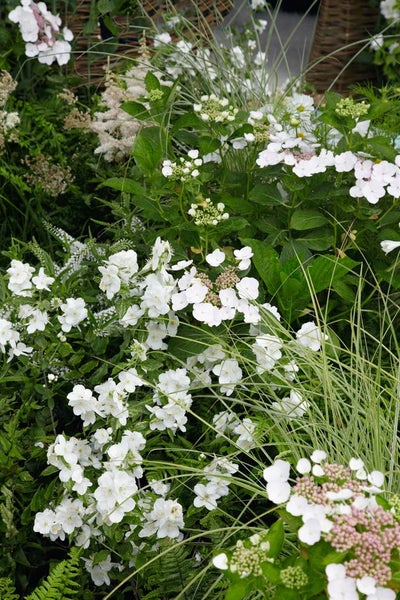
x,y
342,30
202,15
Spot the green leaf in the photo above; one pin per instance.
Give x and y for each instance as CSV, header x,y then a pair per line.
x,y
191,340
271,572
136,110
283,593
188,120
266,261
266,194
148,149
319,239
303,219
151,82
276,536
125,185
238,591
324,271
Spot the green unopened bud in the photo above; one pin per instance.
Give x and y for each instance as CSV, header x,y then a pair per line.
x,y
294,578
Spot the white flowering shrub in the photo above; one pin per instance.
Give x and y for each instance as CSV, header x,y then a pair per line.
x,y
116,328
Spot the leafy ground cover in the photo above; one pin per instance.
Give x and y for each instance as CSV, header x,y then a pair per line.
x,y
198,325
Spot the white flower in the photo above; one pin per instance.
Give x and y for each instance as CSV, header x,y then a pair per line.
x,y
366,585
310,336
389,245
297,505
317,471
310,532
245,431
278,491
83,404
356,463
99,572
74,312
303,466
206,495
229,374
42,281
335,571
216,258
276,476
376,478
382,593
342,589
20,278
293,406
221,561
165,519
248,288
279,471
318,456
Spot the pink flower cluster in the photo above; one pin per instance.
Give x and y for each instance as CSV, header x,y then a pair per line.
x,y
371,535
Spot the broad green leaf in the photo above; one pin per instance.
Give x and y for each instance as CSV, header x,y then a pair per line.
x,y
271,572
188,120
318,239
123,184
283,593
344,291
148,149
151,81
324,271
266,194
303,219
238,591
276,536
266,261
136,110
193,340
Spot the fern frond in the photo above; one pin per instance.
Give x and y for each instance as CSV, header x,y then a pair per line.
x,y
7,589
62,583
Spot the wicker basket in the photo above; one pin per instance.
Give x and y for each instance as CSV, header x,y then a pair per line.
x,y
90,51
342,31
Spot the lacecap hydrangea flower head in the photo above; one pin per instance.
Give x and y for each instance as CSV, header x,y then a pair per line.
x,y
341,505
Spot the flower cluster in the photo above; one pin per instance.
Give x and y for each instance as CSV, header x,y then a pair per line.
x,y
216,475
183,170
8,120
215,110
247,556
51,177
206,213
40,29
373,179
115,128
340,505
